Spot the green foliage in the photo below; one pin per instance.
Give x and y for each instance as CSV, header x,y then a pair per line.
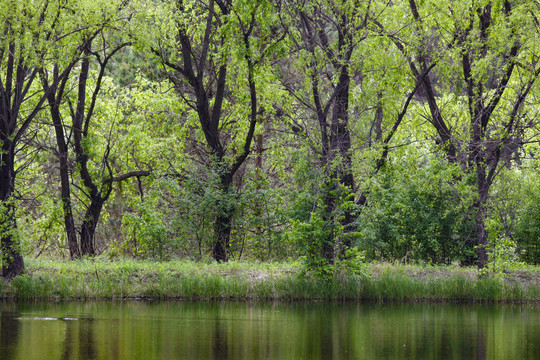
x,y
418,208
502,258
176,217
260,219
311,236
351,264
42,230
513,223
527,224
503,248
416,213
316,213
147,234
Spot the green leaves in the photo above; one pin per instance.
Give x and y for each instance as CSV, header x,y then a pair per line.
x,y
417,210
201,81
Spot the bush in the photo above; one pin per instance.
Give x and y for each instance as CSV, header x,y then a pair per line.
x,y
527,230
418,215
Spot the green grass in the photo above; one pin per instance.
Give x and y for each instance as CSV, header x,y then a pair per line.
x,y
182,279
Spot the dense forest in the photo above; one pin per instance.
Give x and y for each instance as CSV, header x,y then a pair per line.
x,y
331,131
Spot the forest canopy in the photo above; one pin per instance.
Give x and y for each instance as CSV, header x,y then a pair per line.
x,y
326,131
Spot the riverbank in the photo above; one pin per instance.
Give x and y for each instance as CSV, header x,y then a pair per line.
x,y
181,279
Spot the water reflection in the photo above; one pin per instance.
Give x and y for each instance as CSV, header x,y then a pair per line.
x,y
9,331
480,344
220,346
68,347
184,330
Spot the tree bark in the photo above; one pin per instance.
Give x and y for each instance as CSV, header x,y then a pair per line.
x,y
20,104
65,192
334,132
222,233
482,239
223,222
12,260
88,227
340,144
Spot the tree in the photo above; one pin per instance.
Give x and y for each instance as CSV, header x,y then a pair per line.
x,y
487,62
214,52
329,83
31,36
339,89
99,44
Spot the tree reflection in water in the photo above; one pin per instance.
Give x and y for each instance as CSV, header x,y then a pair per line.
x,y
9,330
267,331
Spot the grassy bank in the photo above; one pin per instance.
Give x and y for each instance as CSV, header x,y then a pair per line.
x,y
88,279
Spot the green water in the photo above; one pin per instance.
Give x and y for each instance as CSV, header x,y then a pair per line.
x,y
185,330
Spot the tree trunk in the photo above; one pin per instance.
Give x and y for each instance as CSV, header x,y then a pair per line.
x,y
481,233
65,193
482,238
74,250
223,223
12,260
13,263
88,227
222,232
328,242
340,145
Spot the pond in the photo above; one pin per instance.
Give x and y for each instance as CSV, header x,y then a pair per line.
x,y
238,330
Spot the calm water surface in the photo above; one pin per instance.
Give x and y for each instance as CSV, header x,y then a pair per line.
x,y
184,330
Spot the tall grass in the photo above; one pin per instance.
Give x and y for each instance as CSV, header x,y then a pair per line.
x,y
181,279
